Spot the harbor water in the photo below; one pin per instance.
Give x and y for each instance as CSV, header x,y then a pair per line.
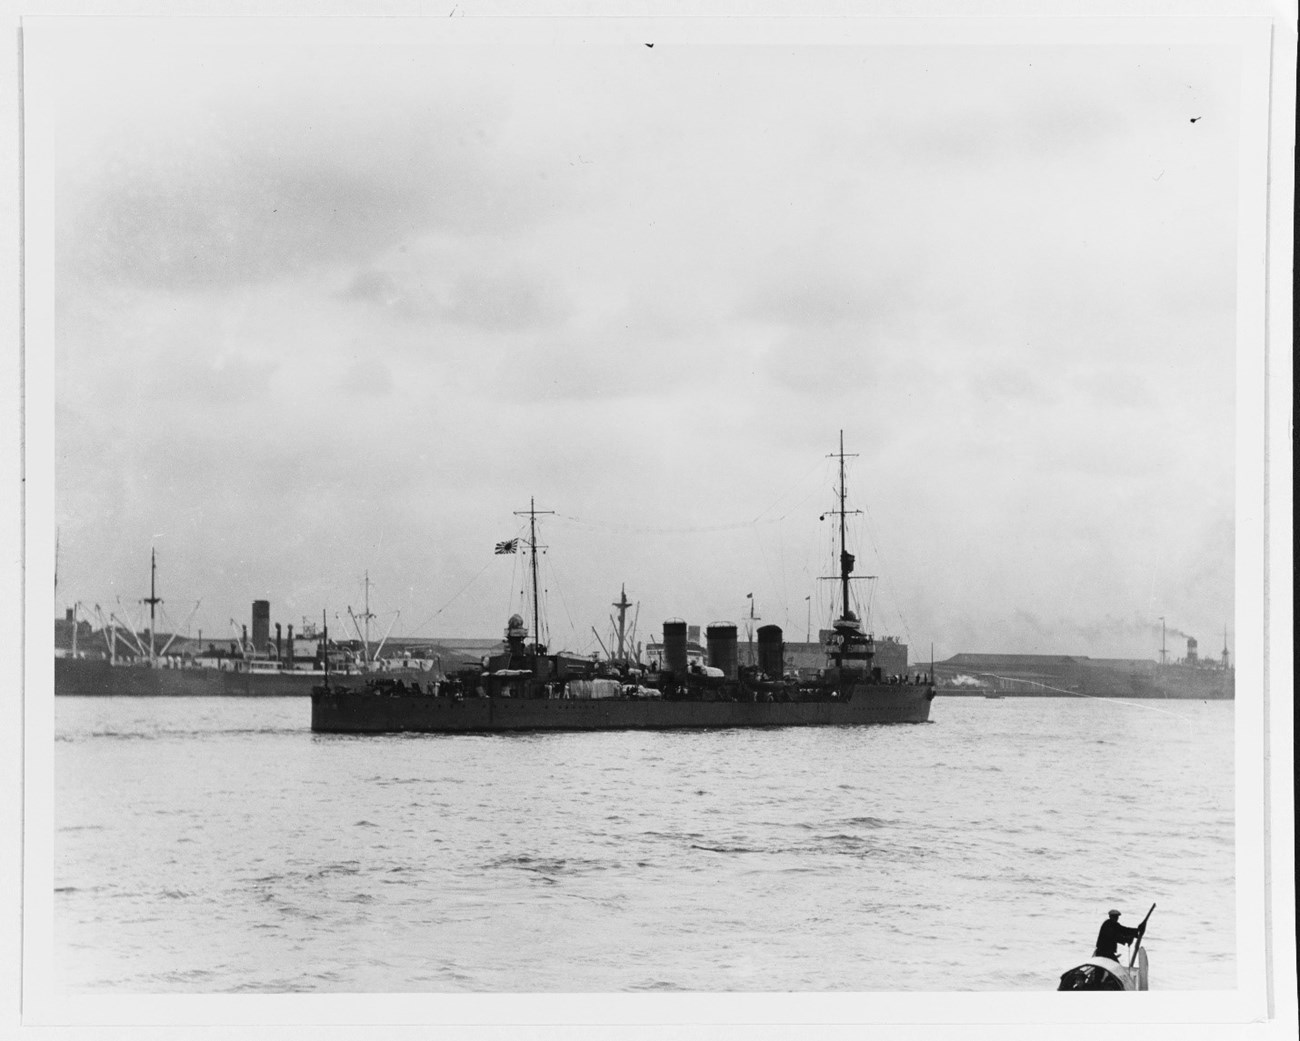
x,y
217,845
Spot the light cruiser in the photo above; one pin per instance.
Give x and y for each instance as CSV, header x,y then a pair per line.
x,y
525,688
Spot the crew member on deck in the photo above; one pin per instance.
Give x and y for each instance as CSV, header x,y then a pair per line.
x,y
1112,934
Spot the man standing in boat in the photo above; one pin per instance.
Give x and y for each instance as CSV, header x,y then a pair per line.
x,y
1113,934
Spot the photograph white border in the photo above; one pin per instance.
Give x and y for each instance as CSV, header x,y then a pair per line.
x,y
1262,892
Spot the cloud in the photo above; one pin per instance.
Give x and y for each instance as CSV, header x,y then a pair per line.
x,y
1008,383
1042,128
505,301
579,372
481,283
247,192
811,296
224,218
395,291
382,289
370,377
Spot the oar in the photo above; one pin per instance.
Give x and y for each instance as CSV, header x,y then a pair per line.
x,y
1142,928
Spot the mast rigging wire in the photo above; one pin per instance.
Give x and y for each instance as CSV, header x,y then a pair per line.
x,y
454,598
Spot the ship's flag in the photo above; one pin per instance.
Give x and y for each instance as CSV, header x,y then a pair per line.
x,y
510,546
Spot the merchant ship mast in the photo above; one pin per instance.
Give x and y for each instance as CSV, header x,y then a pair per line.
x,y
623,604
153,601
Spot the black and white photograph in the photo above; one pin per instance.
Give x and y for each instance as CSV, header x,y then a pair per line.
x,y
655,520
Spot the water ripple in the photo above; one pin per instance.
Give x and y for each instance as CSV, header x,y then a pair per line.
x,y
241,853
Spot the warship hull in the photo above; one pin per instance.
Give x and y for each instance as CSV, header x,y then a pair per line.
x,y
366,712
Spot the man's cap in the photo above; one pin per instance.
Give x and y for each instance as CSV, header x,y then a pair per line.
x,y
1113,913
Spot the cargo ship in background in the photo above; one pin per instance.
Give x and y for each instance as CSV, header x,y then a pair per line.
x,y
525,687
116,660
178,676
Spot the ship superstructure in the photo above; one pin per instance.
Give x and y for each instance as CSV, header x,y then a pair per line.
x,y
524,687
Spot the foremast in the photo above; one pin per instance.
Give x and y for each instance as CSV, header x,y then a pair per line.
x,y
521,665
532,514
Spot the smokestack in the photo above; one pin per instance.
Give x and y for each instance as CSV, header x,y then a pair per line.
x,y
279,650
1191,651
771,651
261,626
675,648
244,642
721,638
291,646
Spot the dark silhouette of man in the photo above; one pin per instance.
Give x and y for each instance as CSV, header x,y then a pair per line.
x,y
1111,935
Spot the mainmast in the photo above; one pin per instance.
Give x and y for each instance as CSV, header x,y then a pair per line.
x,y
152,600
844,565
848,644
532,547
532,512
846,558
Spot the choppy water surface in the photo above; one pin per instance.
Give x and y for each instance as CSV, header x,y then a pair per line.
x,y
218,845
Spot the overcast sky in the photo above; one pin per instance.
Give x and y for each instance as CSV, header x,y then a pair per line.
x,y
337,302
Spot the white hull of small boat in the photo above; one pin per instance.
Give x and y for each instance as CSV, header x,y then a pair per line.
x,y
1108,974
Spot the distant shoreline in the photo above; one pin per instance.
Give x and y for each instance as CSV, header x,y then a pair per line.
x,y
957,692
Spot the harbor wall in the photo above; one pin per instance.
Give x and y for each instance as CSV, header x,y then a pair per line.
x,y
1030,675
